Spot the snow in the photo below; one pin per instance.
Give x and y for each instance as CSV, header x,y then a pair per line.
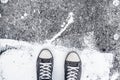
x,y
20,63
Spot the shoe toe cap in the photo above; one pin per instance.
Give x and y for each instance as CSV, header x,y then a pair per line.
x,y
73,57
45,53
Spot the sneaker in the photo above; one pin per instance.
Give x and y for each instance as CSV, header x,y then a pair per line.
x,y
44,65
72,66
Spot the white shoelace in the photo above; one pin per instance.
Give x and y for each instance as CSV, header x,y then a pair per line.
x,y
45,71
72,73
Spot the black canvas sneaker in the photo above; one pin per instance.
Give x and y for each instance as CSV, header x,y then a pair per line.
x,y
44,65
72,66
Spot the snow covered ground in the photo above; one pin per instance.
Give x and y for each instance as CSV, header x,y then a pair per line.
x,y
19,62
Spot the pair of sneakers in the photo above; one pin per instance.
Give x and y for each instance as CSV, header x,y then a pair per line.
x,y
45,66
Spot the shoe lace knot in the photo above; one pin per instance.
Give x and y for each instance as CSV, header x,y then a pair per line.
x,y
72,73
45,70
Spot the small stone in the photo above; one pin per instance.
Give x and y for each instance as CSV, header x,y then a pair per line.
x,y
22,17
63,25
116,36
4,1
116,2
25,14
0,15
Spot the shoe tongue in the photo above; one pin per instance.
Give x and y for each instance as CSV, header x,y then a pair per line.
x,y
72,64
45,79
46,60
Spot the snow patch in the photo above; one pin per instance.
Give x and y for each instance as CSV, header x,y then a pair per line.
x,y
20,64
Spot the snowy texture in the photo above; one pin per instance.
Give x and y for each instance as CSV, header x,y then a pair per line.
x,y
20,63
